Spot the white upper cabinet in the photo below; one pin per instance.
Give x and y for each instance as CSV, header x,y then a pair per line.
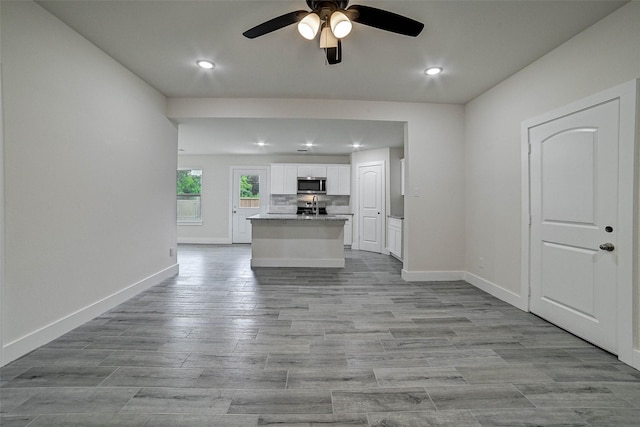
x,y
338,180
316,171
284,178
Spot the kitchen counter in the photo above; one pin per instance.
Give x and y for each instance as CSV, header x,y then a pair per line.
x,y
289,240
295,217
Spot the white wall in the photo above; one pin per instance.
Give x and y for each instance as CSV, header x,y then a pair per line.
x,y
2,320
434,210
90,161
216,203
603,56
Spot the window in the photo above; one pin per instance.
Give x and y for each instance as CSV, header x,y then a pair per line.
x,y
189,196
250,191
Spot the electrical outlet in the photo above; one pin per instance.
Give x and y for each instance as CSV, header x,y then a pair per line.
x,y
172,252
481,263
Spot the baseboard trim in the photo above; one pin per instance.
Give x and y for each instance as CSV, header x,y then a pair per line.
x,y
18,348
491,288
204,241
635,363
432,276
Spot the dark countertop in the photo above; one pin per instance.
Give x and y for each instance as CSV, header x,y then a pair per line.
x,y
294,217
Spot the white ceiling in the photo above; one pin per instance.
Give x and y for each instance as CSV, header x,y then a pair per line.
x,y
478,43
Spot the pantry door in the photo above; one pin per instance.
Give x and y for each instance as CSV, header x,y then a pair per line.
x,y
371,206
250,194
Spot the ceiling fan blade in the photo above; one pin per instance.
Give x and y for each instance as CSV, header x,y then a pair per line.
x,y
334,54
275,24
386,20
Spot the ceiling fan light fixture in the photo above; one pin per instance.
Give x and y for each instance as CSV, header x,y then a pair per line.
x,y
433,71
207,65
308,27
327,39
340,24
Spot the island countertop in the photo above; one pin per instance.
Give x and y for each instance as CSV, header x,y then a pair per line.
x,y
295,217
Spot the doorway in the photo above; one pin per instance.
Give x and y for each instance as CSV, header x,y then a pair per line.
x,y
578,197
249,196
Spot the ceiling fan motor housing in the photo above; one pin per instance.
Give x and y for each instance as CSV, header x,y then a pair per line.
x,y
317,4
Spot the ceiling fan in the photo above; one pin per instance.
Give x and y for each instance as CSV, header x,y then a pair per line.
x,y
333,20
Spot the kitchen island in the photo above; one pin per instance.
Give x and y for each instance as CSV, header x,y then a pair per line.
x,y
288,240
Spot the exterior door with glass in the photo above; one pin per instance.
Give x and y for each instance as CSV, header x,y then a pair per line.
x,y
248,186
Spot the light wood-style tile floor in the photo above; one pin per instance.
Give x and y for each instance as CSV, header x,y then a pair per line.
x,y
223,345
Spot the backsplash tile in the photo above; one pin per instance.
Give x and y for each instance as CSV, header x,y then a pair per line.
x,y
288,203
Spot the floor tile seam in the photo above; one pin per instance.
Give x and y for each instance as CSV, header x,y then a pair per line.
x,y
588,384
117,368
430,398
32,422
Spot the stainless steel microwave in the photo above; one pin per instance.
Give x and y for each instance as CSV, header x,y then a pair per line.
x,y
312,185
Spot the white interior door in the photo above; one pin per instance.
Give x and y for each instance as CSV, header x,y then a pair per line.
x,y
574,203
370,207
250,194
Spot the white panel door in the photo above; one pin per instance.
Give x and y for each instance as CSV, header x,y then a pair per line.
x,y
249,197
574,199
370,201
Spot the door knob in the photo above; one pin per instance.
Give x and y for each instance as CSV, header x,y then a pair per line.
x,y
607,247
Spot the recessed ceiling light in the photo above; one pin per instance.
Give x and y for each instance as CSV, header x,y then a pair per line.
x,y
309,144
356,145
207,65
433,71
261,144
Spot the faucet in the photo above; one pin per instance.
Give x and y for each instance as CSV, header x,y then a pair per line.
x,y
314,204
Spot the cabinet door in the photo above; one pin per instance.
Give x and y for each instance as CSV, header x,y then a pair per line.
x,y
319,170
304,170
316,171
345,180
339,180
392,236
290,179
395,237
277,179
333,180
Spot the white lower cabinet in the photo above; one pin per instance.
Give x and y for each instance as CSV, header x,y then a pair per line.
x,y
348,230
394,236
